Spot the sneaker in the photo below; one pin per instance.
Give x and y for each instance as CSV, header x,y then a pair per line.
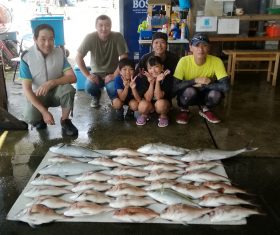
x,y
163,122
68,128
209,116
94,102
40,125
129,115
183,117
119,114
141,120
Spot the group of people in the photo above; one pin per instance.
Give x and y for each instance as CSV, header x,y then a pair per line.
x,y
148,87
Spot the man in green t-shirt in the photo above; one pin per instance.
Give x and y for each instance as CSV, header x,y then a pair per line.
x,y
106,49
200,79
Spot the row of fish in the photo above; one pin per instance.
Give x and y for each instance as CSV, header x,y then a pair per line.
x,y
82,182
186,155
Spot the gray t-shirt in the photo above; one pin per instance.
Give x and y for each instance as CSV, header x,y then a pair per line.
x,y
104,54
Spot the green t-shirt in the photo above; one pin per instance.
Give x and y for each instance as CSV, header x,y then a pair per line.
x,y
104,56
187,69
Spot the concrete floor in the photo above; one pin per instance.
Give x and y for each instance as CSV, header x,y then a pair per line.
x,y
250,113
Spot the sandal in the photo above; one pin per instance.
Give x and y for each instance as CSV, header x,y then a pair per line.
x,y
163,122
141,120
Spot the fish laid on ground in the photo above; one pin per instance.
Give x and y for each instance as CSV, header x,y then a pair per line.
x,y
183,213
38,214
215,199
91,196
135,214
127,171
65,168
193,190
126,152
224,188
125,189
131,161
213,154
165,159
37,191
51,202
85,209
97,176
162,167
231,213
73,150
159,184
104,161
128,180
61,158
203,176
160,148
201,165
129,200
158,175
50,180
90,184
171,197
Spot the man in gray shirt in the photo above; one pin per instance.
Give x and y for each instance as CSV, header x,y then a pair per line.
x,y
106,48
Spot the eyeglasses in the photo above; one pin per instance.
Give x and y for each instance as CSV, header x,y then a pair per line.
x,y
200,38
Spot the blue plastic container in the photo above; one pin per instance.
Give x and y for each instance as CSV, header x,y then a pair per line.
x,y
81,79
56,22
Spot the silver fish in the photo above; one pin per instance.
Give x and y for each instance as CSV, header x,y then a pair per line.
x,y
192,190
50,202
203,176
213,154
231,213
65,168
165,159
160,148
127,171
183,213
97,176
37,191
215,199
129,200
170,197
73,150
224,188
90,195
125,189
38,214
158,175
131,161
61,158
104,161
201,165
159,184
86,209
126,152
162,167
135,214
89,184
128,180
50,180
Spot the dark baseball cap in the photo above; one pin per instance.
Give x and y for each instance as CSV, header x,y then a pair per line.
x,y
199,38
158,35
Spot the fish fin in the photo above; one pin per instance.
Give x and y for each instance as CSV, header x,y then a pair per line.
x,y
184,223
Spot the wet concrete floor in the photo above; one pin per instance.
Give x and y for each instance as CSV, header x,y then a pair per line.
x,y
250,113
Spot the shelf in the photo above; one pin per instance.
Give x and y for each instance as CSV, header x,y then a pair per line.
x,y
257,17
239,38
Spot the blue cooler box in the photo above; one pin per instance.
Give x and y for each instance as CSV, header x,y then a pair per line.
x,y
57,24
81,79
